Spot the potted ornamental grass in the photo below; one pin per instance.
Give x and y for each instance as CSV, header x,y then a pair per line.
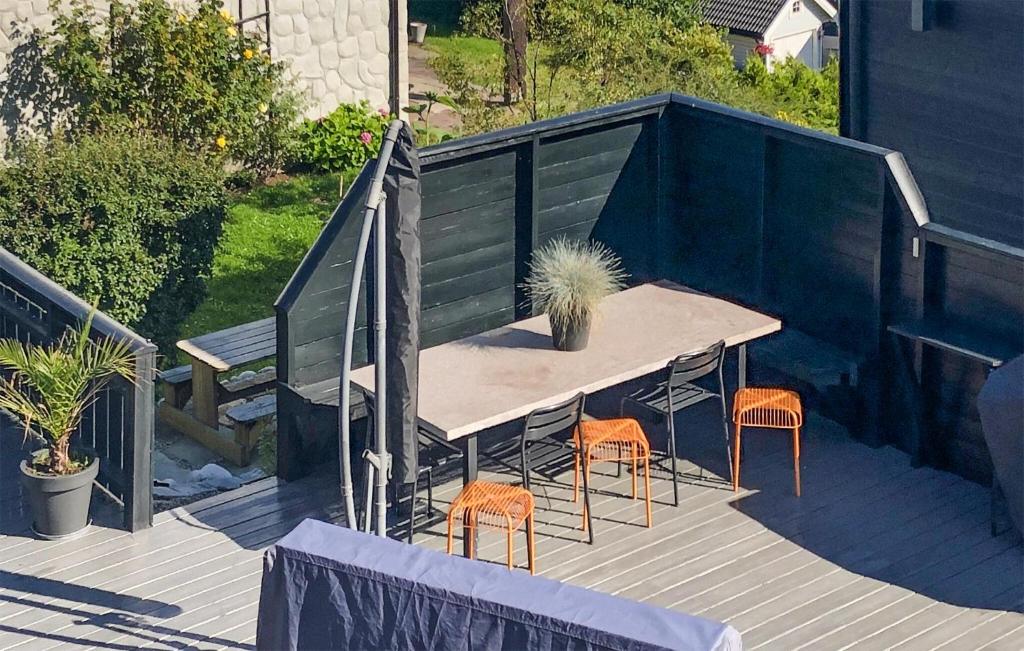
x,y
49,387
567,280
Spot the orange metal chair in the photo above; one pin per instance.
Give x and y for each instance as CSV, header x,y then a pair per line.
x,y
770,408
504,506
618,440
494,506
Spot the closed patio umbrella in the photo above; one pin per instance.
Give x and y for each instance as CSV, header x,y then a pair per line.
x,y
395,222
402,187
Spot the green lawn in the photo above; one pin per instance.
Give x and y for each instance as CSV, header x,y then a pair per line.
x,y
473,48
442,18
266,233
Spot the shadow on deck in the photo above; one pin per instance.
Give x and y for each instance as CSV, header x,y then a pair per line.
x,y
876,554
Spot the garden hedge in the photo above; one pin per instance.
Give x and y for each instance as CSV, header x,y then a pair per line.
x,y
128,219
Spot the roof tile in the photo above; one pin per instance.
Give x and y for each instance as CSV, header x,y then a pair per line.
x,y
751,17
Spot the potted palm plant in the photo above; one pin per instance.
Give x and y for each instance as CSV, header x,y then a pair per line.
x,y
567,279
49,388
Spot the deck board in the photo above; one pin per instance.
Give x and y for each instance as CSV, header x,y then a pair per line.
x,y
876,554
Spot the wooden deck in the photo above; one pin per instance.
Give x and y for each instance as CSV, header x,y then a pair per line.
x,y
875,555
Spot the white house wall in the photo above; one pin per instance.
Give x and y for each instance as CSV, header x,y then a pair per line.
x,y
742,46
797,34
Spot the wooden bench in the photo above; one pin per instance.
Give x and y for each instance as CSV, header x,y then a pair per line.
x,y
210,355
953,339
176,384
808,359
248,418
828,377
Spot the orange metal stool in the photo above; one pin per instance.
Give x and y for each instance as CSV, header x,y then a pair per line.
x,y
617,439
493,506
771,408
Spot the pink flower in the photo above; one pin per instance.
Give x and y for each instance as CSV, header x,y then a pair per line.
x,y
366,137
764,49
384,112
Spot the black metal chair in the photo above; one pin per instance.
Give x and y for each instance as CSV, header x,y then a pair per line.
x,y
541,427
504,506
434,454
677,392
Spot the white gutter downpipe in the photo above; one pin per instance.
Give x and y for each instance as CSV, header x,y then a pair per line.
x,y
375,201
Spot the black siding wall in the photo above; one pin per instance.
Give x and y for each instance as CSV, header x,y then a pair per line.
x,y
951,98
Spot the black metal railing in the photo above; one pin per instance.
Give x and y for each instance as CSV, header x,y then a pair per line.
x,y
119,424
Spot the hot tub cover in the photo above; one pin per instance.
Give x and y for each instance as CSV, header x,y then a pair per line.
x,y
327,587
1001,406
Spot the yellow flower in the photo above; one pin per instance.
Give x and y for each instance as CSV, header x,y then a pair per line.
x,y
182,18
263,107
225,14
248,54
232,32
222,142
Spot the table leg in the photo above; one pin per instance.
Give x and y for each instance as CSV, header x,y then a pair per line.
x,y
469,473
741,366
204,393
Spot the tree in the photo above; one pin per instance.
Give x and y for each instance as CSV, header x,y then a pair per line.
x,y
514,14
50,387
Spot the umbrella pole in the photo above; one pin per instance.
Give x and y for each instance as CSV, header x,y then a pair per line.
x,y
344,395
380,364
375,199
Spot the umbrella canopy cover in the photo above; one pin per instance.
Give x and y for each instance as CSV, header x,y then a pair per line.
x,y
402,187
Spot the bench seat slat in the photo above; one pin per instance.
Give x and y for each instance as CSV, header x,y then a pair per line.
x,y
177,375
956,340
253,410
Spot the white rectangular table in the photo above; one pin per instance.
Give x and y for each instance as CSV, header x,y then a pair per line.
x,y
472,384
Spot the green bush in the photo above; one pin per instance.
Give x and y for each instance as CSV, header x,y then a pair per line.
x,y
343,140
129,219
190,75
795,93
481,18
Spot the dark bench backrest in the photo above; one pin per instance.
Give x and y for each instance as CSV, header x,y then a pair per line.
x,y
311,309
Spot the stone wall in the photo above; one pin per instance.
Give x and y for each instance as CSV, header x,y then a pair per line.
x,y
338,49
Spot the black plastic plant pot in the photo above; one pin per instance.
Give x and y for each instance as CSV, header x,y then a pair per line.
x,y
59,503
573,337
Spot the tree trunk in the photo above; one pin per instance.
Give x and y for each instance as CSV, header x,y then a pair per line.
x,y
60,456
513,33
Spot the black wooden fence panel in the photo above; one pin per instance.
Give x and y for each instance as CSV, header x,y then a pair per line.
x,y
311,310
119,425
809,226
978,290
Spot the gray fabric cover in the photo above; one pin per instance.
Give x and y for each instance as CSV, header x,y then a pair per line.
x,y
328,587
1001,405
402,345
